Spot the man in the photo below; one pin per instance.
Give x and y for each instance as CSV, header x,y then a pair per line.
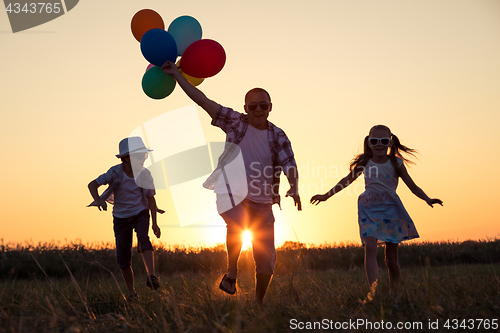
x,y
266,151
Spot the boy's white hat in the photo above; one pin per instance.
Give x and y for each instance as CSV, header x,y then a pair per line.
x,y
131,145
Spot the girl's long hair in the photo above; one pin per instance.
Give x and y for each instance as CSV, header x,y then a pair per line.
x,y
359,162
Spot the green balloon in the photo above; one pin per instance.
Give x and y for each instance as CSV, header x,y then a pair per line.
x,y
156,84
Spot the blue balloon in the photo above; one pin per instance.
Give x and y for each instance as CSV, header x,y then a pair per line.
x,y
185,30
158,46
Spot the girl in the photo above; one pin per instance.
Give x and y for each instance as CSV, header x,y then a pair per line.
x,y
381,214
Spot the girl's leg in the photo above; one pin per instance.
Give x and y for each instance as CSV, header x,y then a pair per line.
x,y
371,265
391,260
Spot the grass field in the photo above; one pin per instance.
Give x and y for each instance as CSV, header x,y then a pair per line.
x,y
312,288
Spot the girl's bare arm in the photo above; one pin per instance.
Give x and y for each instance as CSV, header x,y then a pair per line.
x,y
403,173
343,183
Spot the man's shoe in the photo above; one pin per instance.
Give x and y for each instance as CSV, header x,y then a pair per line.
x,y
228,285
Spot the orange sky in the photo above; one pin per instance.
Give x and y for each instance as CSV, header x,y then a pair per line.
x,y
70,91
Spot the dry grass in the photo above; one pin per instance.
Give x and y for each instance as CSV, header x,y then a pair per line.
x,y
191,301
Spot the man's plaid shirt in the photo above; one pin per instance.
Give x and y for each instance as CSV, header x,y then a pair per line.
x,y
235,125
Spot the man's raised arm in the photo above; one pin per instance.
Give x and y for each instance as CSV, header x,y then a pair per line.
x,y
194,93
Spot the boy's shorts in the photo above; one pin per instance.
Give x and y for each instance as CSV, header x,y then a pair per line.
x,y
123,228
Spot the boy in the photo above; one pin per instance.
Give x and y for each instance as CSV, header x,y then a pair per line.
x,y
131,191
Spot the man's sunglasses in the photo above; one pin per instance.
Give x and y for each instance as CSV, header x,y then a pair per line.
x,y
253,106
382,141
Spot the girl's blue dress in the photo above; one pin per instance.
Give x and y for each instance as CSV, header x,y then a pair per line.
x,y
381,213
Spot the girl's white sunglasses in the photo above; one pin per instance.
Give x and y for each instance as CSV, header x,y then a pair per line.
x,y
382,141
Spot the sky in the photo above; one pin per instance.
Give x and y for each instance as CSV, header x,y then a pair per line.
x,y
430,70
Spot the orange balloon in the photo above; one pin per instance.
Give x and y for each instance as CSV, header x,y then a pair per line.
x,y
145,20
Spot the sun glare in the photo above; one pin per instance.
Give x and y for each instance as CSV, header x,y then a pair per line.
x,y
247,240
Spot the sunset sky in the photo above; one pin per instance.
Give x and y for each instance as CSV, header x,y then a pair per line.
x,y
430,70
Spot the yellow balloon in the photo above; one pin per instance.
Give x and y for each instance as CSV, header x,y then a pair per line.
x,y
193,80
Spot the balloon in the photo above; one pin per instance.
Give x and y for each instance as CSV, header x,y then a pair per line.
x,y
193,80
203,58
149,66
158,46
145,20
156,84
185,30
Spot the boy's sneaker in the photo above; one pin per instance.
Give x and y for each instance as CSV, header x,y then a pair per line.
x,y
152,282
133,298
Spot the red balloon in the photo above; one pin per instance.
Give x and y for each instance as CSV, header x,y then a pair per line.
x,y
203,58
145,20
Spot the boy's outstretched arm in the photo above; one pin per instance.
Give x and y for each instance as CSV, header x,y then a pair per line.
x,y
93,191
415,189
343,183
194,93
153,209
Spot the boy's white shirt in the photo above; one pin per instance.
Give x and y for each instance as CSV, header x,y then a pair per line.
x,y
144,180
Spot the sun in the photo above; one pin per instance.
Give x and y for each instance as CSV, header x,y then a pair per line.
x,y
247,240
